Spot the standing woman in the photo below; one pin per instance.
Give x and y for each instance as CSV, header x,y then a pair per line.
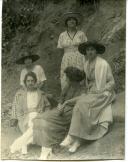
x,y
69,40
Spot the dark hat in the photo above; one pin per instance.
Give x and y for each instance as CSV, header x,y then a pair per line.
x,y
74,74
75,15
100,48
27,56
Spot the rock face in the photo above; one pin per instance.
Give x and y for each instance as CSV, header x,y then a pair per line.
x,y
118,108
105,23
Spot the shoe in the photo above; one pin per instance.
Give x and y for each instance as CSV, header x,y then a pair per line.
x,y
24,150
46,152
67,141
12,150
74,147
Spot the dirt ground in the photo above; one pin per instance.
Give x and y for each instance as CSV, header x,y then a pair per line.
x,y
110,146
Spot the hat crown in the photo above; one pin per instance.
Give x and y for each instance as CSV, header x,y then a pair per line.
x,y
76,15
24,54
72,12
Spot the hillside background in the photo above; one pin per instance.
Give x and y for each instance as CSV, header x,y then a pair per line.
x,y
35,25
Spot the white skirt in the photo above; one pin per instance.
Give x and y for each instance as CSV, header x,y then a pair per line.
x,y
26,138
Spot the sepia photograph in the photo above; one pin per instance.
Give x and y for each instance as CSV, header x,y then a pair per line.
x,y
63,80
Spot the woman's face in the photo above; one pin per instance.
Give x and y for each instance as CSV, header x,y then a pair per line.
x,y
28,62
30,83
71,23
91,53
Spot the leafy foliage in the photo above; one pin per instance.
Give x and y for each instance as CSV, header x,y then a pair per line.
x,y
19,16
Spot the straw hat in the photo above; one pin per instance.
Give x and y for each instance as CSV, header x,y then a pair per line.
x,y
75,15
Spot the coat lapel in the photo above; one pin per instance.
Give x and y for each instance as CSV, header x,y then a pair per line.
x,y
100,73
24,103
39,97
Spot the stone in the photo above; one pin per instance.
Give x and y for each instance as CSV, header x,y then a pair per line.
x,y
118,108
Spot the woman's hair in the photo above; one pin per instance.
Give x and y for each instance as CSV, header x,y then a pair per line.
x,y
31,74
66,21
74,74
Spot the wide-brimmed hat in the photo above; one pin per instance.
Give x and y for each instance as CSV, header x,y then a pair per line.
x,y
100,48
27,56
75,15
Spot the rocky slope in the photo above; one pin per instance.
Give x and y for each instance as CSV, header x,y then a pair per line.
x,y
35,27
105,23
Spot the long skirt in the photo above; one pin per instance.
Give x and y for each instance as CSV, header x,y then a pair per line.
x,y
50,128
91,116
74,59
26,137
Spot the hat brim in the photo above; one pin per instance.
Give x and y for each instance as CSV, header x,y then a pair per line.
x,y
76,15
33,57
100,48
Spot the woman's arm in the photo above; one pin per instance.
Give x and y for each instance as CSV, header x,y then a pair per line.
x,y
64,93
109,85
60,47
81,38
71,101
110,82
22,76
14,120
60,41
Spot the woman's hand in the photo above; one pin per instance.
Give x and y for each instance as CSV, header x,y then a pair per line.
x,y
107,93
96,91
65,103
71,102
60,108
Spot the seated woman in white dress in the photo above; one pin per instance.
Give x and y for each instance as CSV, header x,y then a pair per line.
x,y
92,113
27,104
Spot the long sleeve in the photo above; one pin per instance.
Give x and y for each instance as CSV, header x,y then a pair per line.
x,y
60,42
79,38
19,104
22,76
14,107
110,83
41,75
83,37
44,103
64,93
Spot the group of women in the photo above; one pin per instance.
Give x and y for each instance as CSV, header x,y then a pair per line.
x,y
87,84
